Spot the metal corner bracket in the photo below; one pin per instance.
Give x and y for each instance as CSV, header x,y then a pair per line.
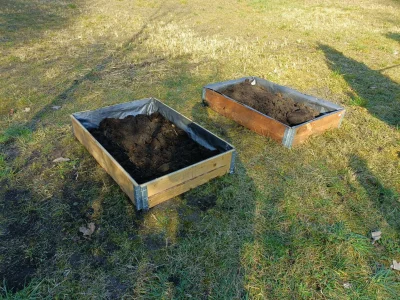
x,y
341,117
203,97
232,166
288,137
141,198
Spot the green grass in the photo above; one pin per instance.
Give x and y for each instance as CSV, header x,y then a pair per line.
x,y
15,132
289,224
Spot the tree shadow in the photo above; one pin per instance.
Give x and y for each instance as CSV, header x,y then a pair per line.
x,y
125,241
394,36
30,231
185,236
94,74
36,233
214,225
369,88
385,199
24,20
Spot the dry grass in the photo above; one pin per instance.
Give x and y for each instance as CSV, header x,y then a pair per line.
x,y
289,224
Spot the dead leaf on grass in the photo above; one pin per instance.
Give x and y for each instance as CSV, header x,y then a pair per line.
x,y
56,107
395,266
11,112
87,231
347,285
61,159
375,235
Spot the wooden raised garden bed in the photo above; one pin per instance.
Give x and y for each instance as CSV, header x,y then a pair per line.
x,y
325,115
116,119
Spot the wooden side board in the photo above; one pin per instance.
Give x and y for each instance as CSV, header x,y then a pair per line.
x,y
111,166
317,127
163,183
245,116
175,190
266,126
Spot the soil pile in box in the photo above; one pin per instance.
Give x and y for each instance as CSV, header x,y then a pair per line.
x,y
284,110
148,147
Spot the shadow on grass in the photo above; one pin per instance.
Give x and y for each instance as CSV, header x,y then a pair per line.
x,y
23,20
94,74
214,227
36,231
15,268
30,232
189,246
385,199
394,36
369,88
170,250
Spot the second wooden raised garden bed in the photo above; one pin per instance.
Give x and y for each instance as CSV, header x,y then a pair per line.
x,y
328,115
148,193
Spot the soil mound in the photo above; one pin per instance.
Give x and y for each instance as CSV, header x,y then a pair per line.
x,y
148,147
284,110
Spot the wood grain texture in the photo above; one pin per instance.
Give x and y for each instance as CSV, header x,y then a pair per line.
x,y
185,186
112,167
246,117
317,127
168,181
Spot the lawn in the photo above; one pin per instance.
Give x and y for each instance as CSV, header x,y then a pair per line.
x,y
289,224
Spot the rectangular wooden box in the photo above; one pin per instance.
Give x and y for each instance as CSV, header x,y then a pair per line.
x,y
154,192
331,114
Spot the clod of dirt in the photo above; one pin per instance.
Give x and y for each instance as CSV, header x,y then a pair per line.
x,y
282,109
148,147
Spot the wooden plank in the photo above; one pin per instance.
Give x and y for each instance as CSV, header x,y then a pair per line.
x,y
244,116
112,167
168,181
185,186
317,127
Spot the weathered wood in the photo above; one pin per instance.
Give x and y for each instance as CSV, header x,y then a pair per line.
x,y
159,189
166,182
112,167
317,127
245,116
267,126
175,190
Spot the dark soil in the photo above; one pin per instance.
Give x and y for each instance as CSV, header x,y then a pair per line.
x,y
17,276
282,109
148,147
